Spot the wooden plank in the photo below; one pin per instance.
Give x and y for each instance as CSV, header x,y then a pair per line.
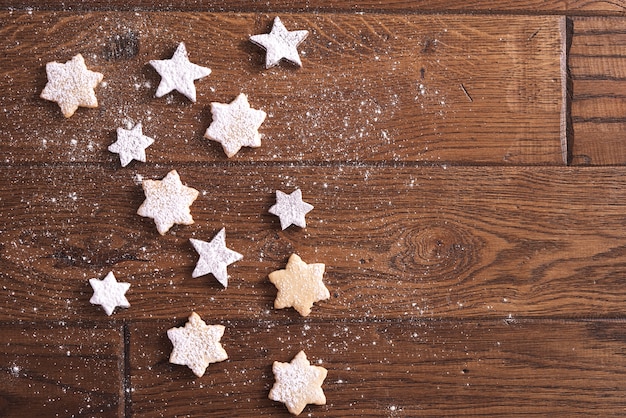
x,y
597,63
571,7
398,242
374,87
421,368
61,369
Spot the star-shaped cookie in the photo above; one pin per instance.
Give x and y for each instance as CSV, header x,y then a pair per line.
x,y
178,73
196,345
71,85
109,293
298,384
235,125
299,285
280,44
167,202
290,209
131,145
214,257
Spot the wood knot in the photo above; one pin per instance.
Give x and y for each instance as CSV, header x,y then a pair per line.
x,y
429,45
441,248
275,247
122,46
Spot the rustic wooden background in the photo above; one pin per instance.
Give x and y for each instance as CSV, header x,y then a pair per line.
x,y
466,161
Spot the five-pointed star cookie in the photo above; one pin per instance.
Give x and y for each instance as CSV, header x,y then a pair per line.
x,y
109,293
290,209
280,43
131,145
71,85
214,257
299,285
298,383
167,202
235,125
196,345
178,73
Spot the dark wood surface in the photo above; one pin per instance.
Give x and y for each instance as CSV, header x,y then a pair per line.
x,y
371,80
597,65
467,174
427,242
569,7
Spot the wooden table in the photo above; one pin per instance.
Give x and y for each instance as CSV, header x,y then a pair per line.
x,y
466,164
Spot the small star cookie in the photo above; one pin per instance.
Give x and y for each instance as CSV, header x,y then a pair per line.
x,y
196,345
235,125
167,202
214,257
109,293
298,384
280,44
178,73
290,209
131,145
71,85
299,285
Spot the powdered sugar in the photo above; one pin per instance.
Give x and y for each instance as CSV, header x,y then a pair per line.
x,y
71,85
280,44
214,257
290,208
197,344
178,73
167,202
131,145
298,383
109,293
235,125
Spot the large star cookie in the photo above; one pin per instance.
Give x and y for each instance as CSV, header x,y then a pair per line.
x,y
299,285
178,73
131,145
290,208
214,257
109,293
280,44
235,125
298,383
196,345
71,85
167,202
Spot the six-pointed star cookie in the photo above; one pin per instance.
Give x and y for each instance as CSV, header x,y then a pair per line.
x,y
214,257
167,202
109,293
299,285
298,383
280,43
290,209
196,345
71,85
131,145
178,73
235,125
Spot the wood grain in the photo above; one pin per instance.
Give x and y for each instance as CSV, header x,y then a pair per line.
x,y
570,7
471,272
61,369
401,242
421,368
456,89
597,63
